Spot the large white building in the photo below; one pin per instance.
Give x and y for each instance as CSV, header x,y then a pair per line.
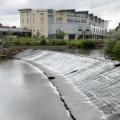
x,y
74,24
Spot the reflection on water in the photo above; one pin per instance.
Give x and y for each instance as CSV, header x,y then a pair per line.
x,y
96,53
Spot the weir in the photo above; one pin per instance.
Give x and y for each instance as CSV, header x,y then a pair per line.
x,y
98,79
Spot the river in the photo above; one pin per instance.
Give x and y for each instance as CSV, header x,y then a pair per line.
x,y
26,94
89,86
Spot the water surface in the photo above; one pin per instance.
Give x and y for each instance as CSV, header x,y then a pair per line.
x,y
26,94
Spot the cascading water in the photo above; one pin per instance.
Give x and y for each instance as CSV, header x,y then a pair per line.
x,y
98,79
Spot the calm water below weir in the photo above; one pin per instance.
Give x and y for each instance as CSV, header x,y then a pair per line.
x,y
26,94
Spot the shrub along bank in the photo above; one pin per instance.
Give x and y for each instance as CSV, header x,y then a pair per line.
x,y
82,44
113,46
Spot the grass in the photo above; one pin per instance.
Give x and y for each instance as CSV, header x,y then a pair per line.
x,y
113,46
82,44
116,51
27,41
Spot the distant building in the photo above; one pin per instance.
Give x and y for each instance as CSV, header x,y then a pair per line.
x,y
14,30
74,24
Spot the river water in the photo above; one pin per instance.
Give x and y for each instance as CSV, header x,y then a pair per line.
x,y
26,94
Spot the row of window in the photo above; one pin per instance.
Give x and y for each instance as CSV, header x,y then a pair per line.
x,y
42,20
28,14
97,30
77,15
69,20
92,30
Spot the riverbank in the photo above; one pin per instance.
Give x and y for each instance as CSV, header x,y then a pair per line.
x,y
10,52
113,46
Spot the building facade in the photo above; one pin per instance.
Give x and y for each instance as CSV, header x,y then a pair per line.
x,y
74,24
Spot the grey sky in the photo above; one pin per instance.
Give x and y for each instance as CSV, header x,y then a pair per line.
x,y
107,9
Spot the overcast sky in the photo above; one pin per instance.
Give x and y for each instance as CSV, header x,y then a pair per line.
x,y
106,9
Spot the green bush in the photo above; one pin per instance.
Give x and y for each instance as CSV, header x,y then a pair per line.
x,y
88,44
60,42
115,36
73,43
43,42
113,46
16,43
83,44
59,34
57,42
116,51
28,43
109,47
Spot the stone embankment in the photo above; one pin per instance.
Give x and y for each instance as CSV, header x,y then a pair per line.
x,y
10,52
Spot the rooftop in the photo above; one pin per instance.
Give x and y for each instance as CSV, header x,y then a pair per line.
x,y
67,10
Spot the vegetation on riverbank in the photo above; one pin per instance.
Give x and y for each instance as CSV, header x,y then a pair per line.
x,y
113,46
82,44
12,44
9,52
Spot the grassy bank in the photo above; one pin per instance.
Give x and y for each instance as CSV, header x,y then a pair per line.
x,y
82,44
15,45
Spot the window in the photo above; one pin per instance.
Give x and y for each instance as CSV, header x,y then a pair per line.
x,y
83,20
33,20
77,21
27,14
87,30
70,14
59,20
27,20
70,20
42,29
79,29
50,16
22,21
42,20
93,29
41,13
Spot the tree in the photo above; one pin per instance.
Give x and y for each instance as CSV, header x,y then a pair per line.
x,y
59,34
